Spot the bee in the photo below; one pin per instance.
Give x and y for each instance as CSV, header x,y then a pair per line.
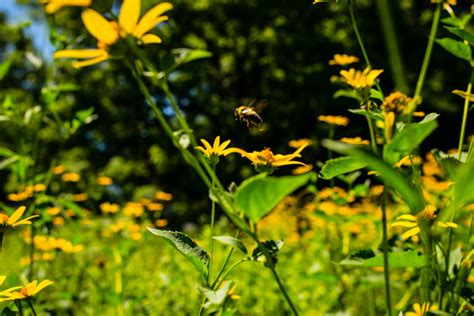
x,y
250,113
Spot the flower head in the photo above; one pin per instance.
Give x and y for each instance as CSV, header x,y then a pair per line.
x,y
108,32
343,59
54,5
334,120
360,79
28,291
14,220
217,149
354,141
421,310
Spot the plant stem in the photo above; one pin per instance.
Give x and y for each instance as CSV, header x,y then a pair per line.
x,y
386,268
429,48
235,264
359,40
213,219
271,266
224,264
391,42
32,308
20,308
373,140
464,116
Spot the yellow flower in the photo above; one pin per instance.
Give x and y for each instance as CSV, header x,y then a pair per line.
x,y
266,158
154,207
217,149
421,310
28,291
396,102
58,169
334,120
71,177
54,5
354,141
163,196
360,79
298,142
161,222
107,207
53,211
302,169
81,197
133,209
105,181
464,94
108,33
343,59
14,220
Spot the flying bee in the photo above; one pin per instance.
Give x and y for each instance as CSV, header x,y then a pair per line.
x,y
250,113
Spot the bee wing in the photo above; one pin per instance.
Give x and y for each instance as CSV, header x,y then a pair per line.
x,y
261,105
250,102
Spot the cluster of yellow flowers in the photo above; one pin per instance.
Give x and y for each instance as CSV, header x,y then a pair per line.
x,y
27,192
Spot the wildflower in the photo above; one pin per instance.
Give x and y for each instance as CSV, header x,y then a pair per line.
x,y
334,120
20,196
71,177
154,207
161,222
302,169
266,159
213,152
133,209
354,141
298,142
107,207
105,181
464,95
54,5
26,292
360,79
408,160
421,310
109,32
53,211
80,197
163,196
58,221
14,220
343,59
58,169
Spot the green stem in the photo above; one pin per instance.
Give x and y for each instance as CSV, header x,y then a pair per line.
x,y
32,308
271,266
224,264
331,137
359,40
464,116
232,267
213,219
20,307
391,42
373,140
429,48
386,268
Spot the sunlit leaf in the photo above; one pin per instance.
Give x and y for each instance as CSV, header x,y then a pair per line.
x,y
457,48
466,36
464,184
187,247
341,165
231,241
258,195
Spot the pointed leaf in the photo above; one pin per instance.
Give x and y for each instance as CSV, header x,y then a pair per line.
x,y
187,247
335,167
407,259
464,184
456,48
466,36
231,241
258,195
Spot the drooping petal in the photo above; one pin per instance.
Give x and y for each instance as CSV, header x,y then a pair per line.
x,y
129,14
411,232
78,53
151,39
99,27
89,62
407,217
236,150
201,149
404,224
55,5
41,286
25,221
152,18
287,163
16,215
223,146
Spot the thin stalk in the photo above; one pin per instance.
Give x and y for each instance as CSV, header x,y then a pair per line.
x,y
373,141
391,42
213,219
386,268
20,307
429,48
359,40
464,117
32,308
224,265
271,266
232,267
331,137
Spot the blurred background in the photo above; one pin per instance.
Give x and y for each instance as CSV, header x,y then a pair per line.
x,y
264,49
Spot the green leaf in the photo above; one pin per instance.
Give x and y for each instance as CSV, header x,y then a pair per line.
x,y
5,152
407,259
409,138
466,36
351,94
5,66
457,48
376,94
374,115
187,247
464,185
258,195
183,56
448,163
215,298
390,176
335,167
231,241
458,22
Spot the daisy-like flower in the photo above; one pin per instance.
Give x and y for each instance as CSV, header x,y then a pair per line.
x,y
7,222
217,149
343,59
334,120
421,310
354,141
360,80
54,5
104,181
26,292
108,33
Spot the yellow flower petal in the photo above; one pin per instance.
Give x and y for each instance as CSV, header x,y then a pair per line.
x,y
223,145
411,232
99,27
2,279
92,61
78,53
41,286
55,5
129,14
207,145
24,221
407,217
16,215
152,18
404,224
151,39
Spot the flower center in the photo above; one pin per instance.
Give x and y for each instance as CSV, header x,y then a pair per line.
x,y
3,219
